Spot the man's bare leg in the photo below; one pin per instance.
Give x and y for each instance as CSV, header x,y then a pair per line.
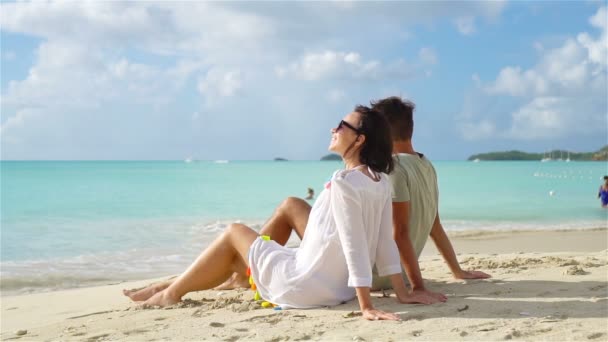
x,y
291,215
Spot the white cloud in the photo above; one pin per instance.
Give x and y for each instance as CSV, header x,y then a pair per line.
x,y
342,66
15,123
221,83
138,56
428,56
543,117
515,82
465,25
477,130
564,93
597,48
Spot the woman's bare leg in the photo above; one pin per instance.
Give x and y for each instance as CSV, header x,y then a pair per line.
x,y
226,255
291,215
141,294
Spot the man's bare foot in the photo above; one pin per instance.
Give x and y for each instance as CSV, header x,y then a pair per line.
x,y
141,294
161,299
236,281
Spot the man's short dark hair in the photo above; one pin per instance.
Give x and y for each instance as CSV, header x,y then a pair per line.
x,y
400,116
605,177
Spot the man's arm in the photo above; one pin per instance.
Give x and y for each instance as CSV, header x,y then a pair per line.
x,y
409,259
444,246
401,234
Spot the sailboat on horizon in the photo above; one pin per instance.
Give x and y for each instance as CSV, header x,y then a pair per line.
x,y
545,158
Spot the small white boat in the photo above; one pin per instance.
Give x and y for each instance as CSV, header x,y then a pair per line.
x,y
476,160
221,161
188,160
545,158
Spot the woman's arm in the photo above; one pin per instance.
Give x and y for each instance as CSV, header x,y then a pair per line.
x,y
348,214
367,309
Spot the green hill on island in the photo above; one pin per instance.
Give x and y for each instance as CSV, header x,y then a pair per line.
x,y
601,154
332,157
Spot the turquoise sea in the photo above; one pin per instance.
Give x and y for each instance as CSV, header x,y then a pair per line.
x,y
77,223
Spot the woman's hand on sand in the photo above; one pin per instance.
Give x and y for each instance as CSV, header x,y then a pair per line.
x,y
471,275
376,315
423,297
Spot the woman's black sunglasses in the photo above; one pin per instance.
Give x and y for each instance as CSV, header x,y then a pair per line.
x,y
344,123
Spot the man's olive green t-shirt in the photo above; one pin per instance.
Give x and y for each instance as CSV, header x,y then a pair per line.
x,y
414,180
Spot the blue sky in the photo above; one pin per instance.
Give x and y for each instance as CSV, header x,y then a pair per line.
x,y
258,80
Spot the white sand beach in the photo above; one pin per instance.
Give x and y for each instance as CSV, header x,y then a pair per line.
x,y
547,285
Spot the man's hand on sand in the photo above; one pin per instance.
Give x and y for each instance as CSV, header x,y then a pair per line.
x,y
472,275
424,297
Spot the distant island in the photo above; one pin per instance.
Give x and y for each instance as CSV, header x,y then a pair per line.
x,y
280,159
331,157
600,155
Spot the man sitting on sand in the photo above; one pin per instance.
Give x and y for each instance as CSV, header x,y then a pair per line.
x,y
415,202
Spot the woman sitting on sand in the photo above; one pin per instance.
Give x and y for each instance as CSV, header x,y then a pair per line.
x,y
349,229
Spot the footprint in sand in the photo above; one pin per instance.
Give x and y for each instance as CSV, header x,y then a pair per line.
x,y
271,319
598,287
417,333
135,331
416,317
575,270
595,335
514,333
97,337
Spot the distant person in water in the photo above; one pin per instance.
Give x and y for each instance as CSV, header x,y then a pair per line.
x,y
346,232
311,194
603,193
415,197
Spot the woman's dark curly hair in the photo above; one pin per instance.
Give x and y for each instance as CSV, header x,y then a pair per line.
x,y
377,149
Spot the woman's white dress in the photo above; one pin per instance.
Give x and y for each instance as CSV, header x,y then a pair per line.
x,y
349,229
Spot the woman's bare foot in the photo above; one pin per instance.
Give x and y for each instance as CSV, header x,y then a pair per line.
x,y
236,281
162,299
141,294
